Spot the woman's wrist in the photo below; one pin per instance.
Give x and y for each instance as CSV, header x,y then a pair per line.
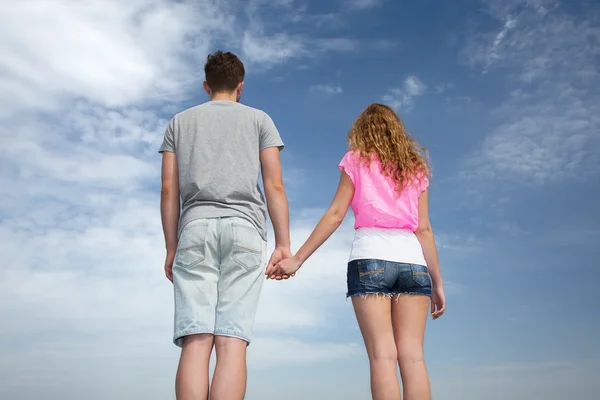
x,y
298,259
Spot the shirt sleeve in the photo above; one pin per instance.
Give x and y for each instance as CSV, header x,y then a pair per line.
x,y
269,135
423,183
348,165
168,143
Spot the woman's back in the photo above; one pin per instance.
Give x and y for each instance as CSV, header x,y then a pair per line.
x,y
377,202
385,217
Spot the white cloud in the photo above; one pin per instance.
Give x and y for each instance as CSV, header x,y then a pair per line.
x,y
461,243
264,51
492,54
115,54
109,52
83,101
271,50
402,98
458,100
443,87
362,4
293,352
85,309
548,126
266,42
413,86
89,275
326,89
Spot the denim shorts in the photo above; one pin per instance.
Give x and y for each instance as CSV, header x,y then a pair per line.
x,y
370,276
218,275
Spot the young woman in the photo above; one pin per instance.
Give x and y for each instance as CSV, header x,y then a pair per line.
x,y
393,272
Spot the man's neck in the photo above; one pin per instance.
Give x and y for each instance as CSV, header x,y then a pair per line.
x,y
224,96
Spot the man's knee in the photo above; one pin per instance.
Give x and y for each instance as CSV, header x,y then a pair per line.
x,y
198,341
227,344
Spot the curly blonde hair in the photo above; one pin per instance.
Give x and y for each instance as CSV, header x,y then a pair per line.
x,y
378,131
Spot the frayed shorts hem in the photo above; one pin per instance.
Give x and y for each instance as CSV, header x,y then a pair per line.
x,y
386,294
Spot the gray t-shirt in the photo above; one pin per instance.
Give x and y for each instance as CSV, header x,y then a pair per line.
x,y
217,145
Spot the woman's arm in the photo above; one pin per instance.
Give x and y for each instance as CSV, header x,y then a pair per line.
x,y
424,234
328,224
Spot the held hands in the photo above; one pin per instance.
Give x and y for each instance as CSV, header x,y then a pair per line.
x,y
286,268
282,265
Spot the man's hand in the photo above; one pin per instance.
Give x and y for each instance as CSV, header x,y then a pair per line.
x,y
279,254
169,265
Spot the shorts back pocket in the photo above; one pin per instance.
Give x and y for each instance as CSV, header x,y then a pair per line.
x,y
420,275
191,249
370,272
248,247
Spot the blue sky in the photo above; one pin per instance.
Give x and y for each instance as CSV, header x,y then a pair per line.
x,y
504,94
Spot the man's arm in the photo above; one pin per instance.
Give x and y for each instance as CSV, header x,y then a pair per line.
x,y
328,224
169,201
276,198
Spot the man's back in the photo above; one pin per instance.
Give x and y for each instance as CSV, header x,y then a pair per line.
x,y
217,145
213,216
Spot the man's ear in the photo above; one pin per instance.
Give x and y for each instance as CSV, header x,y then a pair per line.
x,y
239,89
207,89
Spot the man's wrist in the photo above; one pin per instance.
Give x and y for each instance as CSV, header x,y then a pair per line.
x,y
171,249
282,245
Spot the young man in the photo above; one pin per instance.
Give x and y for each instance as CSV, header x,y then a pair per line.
x,y
216,246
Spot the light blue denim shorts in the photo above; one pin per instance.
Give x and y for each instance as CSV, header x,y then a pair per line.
x,y
218,275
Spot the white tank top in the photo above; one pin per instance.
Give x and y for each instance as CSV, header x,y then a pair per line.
x,y
396,245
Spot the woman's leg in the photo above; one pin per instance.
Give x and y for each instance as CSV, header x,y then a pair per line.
x,y
409,317
373,313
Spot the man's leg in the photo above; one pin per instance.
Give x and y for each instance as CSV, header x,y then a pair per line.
x,y
229,380
243,259
195,281
191,382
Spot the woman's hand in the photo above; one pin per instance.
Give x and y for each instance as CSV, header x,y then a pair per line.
x,y
286,268
438,301
279,254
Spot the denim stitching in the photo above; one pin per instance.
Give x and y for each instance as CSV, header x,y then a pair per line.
x,y
246,249
361,274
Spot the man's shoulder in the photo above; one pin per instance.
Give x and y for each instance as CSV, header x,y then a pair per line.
x,y
191,111
210,106
251,110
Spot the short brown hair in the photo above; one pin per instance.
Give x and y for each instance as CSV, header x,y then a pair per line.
x,y
224,71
